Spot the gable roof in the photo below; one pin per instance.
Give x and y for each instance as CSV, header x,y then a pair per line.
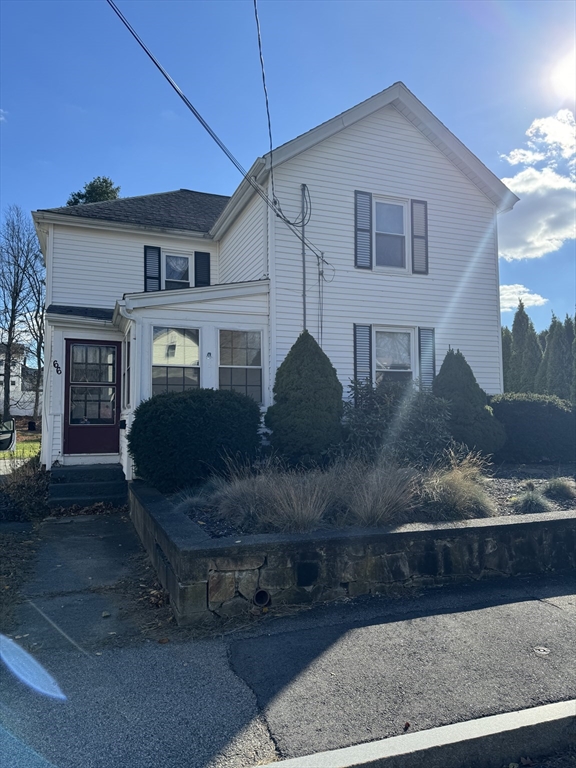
x,y
181,209
402,99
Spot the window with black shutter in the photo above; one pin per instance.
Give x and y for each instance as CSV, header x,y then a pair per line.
x,y
151,268
427,355
419,237
201,269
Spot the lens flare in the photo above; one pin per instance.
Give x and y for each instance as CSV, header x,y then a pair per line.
x,y
563,77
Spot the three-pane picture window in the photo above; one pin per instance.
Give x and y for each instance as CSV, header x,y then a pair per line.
x,y
175,360
390,234
241,362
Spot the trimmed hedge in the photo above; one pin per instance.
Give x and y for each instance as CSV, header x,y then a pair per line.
x,y
538,428
179,439
472,421
305,417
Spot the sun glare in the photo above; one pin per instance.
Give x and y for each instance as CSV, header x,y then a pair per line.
x,y
563,77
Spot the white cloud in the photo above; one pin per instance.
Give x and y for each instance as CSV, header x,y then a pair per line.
x,y
510,295
544,219
3,114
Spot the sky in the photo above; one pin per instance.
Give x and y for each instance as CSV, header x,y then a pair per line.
x,y
80,99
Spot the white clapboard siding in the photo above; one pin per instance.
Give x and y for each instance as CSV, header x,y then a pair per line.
x,y
386,155
242,249
94,268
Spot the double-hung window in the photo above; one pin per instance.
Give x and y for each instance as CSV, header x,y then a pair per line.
x,y
390,234
170,271
240,367
394,354
175,360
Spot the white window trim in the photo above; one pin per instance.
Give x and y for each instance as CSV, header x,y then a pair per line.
x,y
413,348
164,252
405,203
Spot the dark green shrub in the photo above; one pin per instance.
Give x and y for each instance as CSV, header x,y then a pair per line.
x,y
396,420
472,421
305,418
179,439
538,428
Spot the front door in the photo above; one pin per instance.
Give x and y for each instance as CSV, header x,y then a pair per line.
x,y
92,402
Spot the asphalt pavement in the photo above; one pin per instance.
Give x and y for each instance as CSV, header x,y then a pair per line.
x,y
325,678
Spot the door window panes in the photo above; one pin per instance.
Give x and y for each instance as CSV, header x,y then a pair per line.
x,y
92,363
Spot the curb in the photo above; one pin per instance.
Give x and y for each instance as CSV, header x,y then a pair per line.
x,y
488,742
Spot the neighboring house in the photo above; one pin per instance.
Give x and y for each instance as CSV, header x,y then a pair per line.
x,y
172,291
22,382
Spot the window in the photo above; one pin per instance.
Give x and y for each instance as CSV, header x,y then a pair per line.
x,y
175,360
126,383
241,363
395,351
169,271
390,233
177,272
394,355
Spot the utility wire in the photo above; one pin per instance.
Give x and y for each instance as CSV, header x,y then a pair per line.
x,y
214,136
274,199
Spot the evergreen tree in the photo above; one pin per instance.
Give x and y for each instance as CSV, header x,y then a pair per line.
x,y
526,352
569,329
542,336
554,374
506,356
306,417
573,390
471,419
101,188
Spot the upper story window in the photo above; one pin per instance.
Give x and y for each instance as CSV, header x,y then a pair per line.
x,y
169,271
175,360
390,233
241,362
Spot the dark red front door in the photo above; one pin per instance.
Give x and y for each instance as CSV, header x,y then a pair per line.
x,y
92,402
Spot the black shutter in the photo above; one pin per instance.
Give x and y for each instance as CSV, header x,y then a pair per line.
x,y
419,237
363,352
201,269
426,355
151,268
363,230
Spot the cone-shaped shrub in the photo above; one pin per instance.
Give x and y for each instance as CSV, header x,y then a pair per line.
x,y
471,419
179,439
305,418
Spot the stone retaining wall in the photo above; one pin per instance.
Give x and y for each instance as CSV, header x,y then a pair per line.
x,y
207,578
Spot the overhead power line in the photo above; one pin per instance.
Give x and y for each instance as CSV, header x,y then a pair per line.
x,y
319,255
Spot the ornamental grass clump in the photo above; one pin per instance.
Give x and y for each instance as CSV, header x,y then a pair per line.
x,y
454,490
374,495
560,489
530,502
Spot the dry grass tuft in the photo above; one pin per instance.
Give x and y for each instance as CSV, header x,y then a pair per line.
x,y
455,490
560,488
531,502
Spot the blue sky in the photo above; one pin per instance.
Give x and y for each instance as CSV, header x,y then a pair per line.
x,y
80,99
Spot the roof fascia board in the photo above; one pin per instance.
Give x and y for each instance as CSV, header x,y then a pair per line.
x,y
404,101
76,322
239,200
195,295
85,223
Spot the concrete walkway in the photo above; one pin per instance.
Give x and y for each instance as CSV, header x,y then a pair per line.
x,y
281,687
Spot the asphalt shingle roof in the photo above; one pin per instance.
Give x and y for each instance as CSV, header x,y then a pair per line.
x,y
181,209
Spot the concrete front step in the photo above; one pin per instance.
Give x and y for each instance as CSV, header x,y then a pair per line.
x,y
84,473
86,501
86,485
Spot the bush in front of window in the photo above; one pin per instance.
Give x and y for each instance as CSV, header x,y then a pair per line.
x,y
472,421
396,421
305,418
538,428
179,439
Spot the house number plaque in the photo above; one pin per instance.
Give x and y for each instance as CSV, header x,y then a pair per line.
x,y
57,366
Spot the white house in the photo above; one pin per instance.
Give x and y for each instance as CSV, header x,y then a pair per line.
x,y
22,382
182,289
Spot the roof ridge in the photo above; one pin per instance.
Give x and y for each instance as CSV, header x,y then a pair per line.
x,y
134,197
